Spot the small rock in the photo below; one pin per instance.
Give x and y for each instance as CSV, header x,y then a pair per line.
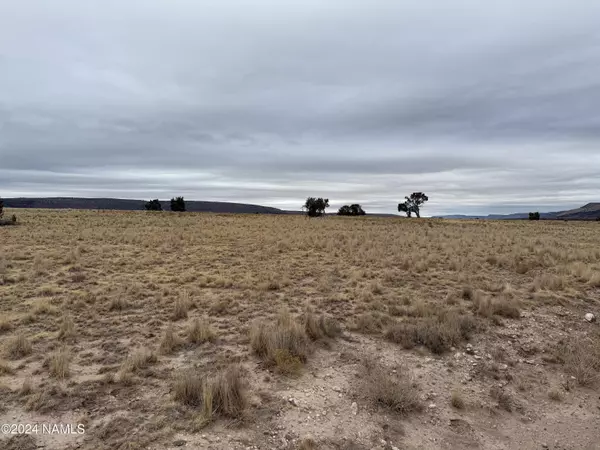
x,y
354,408
293,401
337,389
590,317
503,366
179,443
544,445
469,349
431,406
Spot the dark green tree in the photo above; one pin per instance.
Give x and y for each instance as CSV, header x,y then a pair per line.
x,y
413,204
177,204
153,205
351,210
534,216
315,207
1,207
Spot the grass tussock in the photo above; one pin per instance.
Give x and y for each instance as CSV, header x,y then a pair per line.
x,y
59,362
180,309
138,360
581,359
200,331
170,341
438,333
67,328
320,327
5,368
118,304
503,305
371,323
220,395
395,391
456,400
283,344
5,325
18,347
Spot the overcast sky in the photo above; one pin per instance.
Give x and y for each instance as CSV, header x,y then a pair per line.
x,y
486,106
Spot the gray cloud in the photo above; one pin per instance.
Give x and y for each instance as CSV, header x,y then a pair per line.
x,y
487,108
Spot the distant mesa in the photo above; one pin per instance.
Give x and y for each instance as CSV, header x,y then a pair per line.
x,y
591,211
135,205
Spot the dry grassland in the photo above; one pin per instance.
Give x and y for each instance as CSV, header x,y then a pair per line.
x,y
165,330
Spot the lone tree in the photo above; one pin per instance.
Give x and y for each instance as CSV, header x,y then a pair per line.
x,y
534,216
413,204
1,207
351,210
315,207
178,204
153,205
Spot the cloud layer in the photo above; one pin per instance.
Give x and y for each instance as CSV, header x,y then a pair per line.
x,y
485,108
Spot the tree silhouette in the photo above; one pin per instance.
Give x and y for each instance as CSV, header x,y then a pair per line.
x,y
351,210
153,205
315,207
413,204
177,204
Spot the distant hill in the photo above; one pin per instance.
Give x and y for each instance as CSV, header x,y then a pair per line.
x,y
591,211
135,205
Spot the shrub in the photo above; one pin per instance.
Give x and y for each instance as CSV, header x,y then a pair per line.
x,y
178,204
534,216
153,205
351,210
394,391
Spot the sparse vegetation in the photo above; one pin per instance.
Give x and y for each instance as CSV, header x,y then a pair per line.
x,y
395,391
413,204
351,210
315,207
273,293
153,205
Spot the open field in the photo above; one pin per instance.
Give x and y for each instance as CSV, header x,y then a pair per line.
x,y
162,330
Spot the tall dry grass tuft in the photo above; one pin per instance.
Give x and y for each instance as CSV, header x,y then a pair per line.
x,y
283,344
221,395
200,331
18,347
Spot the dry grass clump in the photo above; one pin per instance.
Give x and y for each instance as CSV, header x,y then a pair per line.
x,y
395,391
5,325
59,363
319,327
581,358
549,282
200,331
42,307
371,323
555,394
438,333
18,347
118,304
457,400
5,368
503,398
220,395
67,328
170,341
283,344
180,309
138,360
504,306
307,444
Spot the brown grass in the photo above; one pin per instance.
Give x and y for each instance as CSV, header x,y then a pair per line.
x,y
18,347
200,331
283,344
59,363
426,288
457,400
581,358
220,395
